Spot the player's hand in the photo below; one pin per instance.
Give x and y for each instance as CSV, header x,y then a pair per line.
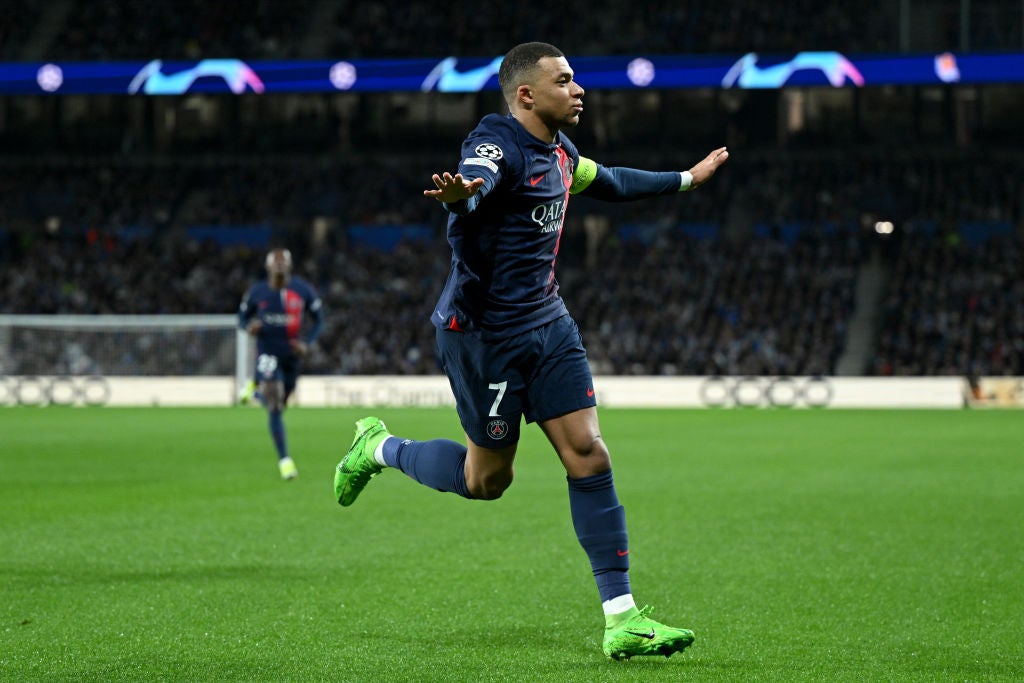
x,y
706,168
253,328
299,347
453,188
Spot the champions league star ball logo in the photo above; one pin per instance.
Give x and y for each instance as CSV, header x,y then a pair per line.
x,y
488,150
497,429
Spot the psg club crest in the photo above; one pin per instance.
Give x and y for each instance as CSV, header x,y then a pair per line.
x,y
497,429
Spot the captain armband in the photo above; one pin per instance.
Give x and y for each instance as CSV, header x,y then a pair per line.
x,y
686,181
583,175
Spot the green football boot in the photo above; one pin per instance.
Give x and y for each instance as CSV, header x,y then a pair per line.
x,y
358,465
641,635
246,393
287,468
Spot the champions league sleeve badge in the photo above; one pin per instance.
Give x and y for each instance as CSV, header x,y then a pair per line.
x,y
488,150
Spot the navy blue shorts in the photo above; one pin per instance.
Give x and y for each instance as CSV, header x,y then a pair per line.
x,y
540,374
284,369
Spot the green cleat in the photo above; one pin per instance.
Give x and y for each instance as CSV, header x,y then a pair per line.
x,y
246,393
358,465
641,635
288,469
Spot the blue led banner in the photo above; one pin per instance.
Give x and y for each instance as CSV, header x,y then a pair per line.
x,y
806,69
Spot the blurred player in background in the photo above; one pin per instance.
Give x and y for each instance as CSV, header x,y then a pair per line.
x,y
273,312
507,343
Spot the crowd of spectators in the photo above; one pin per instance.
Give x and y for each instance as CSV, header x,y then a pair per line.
x,y
677,305
581,27
652,295
185,29
265,29
686,306
377,311
954,308
20,18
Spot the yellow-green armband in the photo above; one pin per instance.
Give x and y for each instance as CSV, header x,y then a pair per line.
x,y
583,175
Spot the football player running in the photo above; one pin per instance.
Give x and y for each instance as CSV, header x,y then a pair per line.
x,y
273,312
508,345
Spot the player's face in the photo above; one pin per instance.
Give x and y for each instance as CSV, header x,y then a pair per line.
x,y
557,99
279,265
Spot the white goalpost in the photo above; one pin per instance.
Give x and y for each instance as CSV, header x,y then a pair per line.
x,y
69,359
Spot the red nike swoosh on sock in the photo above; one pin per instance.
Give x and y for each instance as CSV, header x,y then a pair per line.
x,y
622,553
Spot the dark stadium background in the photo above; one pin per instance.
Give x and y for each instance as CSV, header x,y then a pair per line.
x,y
118,204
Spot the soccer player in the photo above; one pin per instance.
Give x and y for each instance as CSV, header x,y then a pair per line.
x,y
272,311
507,343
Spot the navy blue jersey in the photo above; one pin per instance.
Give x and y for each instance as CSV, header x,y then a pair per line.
x,y
505,239
503,251
282,313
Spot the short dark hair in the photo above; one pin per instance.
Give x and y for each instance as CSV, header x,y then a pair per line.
x,y
519,63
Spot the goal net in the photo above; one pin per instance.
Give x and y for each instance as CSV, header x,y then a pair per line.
x,y
123,346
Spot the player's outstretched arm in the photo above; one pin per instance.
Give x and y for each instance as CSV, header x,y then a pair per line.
x,y
706,168
451,189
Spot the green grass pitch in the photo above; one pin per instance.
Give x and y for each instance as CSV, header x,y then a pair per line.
x,y
159,544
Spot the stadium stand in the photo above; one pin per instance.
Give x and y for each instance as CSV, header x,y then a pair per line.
x,y
685,298
188,29
191,29
20,18
955,307
107,208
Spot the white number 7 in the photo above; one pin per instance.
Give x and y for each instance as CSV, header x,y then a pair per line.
x,y
500,386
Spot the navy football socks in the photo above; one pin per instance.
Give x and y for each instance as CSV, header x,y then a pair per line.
x,y
277,432
600,523
597,516
439,463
